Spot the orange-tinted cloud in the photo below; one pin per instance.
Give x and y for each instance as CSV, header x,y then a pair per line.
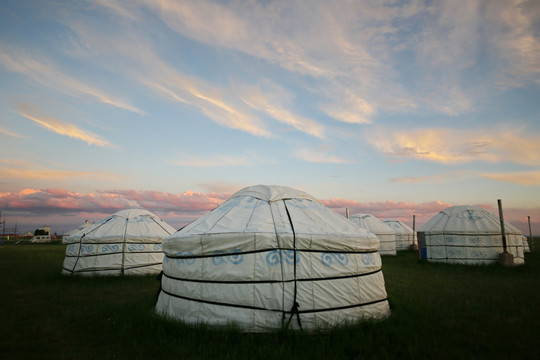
x,y
62,128
521,177
448,146
26,170
10,133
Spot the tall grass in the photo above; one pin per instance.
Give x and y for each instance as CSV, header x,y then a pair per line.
x,y
438,311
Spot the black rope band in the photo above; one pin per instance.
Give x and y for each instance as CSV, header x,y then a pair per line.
x,y
267,250
115,253
109,269
270,281
290,312
474,246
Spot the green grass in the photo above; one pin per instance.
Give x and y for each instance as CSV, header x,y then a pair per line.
x,y
438,311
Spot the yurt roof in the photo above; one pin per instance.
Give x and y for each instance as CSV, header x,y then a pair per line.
x,y
466,219
371,223
398,226
256,214
273,193
125,224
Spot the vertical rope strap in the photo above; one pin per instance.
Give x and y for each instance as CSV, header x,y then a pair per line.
x,y
78,254
296,306
124,248
281,265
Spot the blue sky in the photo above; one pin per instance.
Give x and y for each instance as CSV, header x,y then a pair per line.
x,y
389,107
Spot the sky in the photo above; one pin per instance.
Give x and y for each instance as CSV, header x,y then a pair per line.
x,y
392,108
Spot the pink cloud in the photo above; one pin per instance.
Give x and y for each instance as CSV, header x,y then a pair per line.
x,y
404,211
32,208
64,210
400,210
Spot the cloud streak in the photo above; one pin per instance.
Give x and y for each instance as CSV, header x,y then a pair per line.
x,y
531,178
62,128
47,75
447,146
318,156
28,171
214,161
10,133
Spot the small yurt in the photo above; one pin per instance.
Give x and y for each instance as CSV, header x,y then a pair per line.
x,y
405,236
386,235
526,247
272,257
468,235
125,243
77,229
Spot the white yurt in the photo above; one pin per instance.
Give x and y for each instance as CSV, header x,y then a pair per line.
x,y
127,242
405,236
386,235
77,229
272,257
468,235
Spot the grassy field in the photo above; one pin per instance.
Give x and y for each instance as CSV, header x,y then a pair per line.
x,y
438,311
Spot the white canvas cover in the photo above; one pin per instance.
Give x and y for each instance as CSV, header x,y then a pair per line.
x,y
405,236
252,258
526,247
386,235
127,242
468,235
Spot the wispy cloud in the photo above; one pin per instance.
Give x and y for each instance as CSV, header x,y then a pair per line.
x,y
445,145
319,155
44,73
142,63
522,177
10,133
213,161
60,127
268,102
350,109
25,171
434,178
513,27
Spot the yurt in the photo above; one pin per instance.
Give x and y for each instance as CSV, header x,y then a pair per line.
x,y
125,243
526,247
386,235
468,235
272,257
405,236
77,229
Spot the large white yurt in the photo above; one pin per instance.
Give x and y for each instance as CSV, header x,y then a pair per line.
x,y
127,242
405,236
468,235
386,235
272,257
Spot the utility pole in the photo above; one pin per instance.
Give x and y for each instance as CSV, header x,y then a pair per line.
x,y
530,234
